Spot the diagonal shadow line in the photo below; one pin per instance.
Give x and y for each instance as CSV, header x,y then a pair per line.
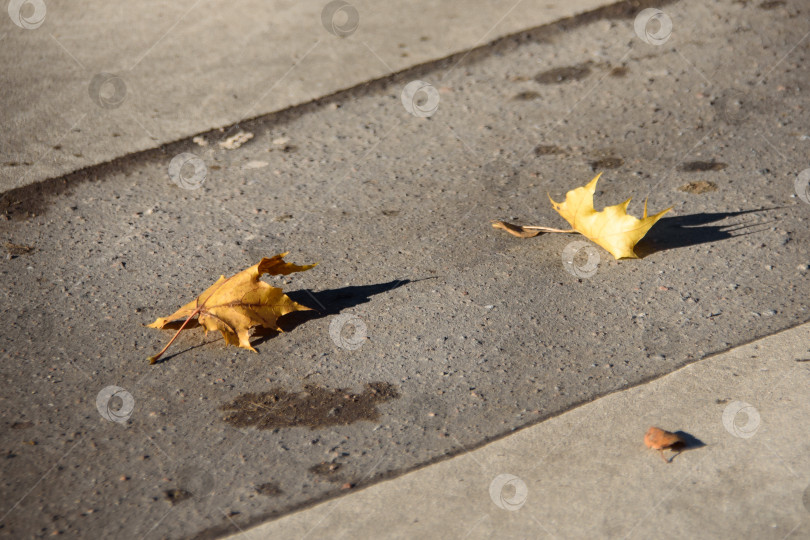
x,y
333,301
692,230
192,324
688,442
329,302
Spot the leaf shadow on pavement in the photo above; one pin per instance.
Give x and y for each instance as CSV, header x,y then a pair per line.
x,y
694,229
689,442
325,303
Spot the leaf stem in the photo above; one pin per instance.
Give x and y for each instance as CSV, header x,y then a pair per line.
x,y
546,229
153,359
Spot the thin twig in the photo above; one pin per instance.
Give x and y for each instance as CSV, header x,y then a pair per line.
x,y
153,359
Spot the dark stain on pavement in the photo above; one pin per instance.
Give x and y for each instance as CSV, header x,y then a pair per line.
x,y
619,71
526,96
328,471
177,495
547,150
610,162
702,166
562,75
314,407
771,5
269,489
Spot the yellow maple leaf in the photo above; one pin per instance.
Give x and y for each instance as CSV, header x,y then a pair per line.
x,y
612,228
236,304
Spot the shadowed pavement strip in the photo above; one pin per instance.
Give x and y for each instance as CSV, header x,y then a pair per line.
x,y
87,82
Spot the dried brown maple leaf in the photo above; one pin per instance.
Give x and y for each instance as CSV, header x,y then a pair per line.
x,y
236,304
658,439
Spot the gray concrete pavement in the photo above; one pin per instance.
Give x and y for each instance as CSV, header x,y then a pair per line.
x,y
86,82
434,333
587,473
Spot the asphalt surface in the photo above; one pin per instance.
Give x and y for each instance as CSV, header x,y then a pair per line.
x,y
470,333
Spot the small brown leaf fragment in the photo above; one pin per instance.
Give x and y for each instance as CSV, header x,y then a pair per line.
x,y
659,439
701,186
515,230
15,250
